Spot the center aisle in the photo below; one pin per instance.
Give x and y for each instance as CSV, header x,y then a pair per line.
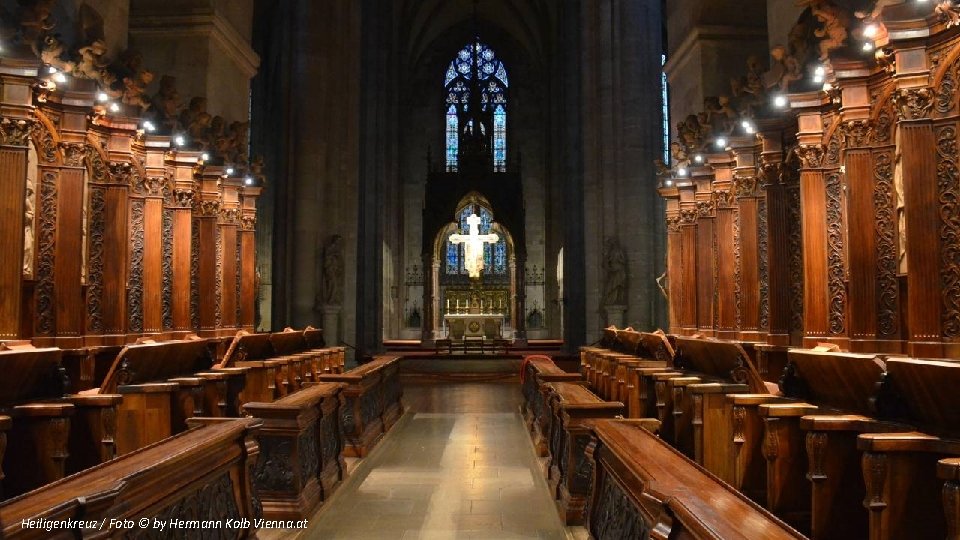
x,y
459,464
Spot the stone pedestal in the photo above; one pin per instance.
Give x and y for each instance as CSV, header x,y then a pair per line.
x,y
616,315
331,324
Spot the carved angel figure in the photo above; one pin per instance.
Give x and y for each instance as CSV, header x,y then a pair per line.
x,y
92,62
28,216
948,13
833,32
166,102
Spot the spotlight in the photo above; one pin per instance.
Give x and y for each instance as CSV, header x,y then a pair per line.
x,y
102,96
51,70
698,158
668,183
721,143
827,87
205,156
870,31
179,140
59,78
148,126
868,46
780,101
818,74
248,181
229,171
114,107
681,171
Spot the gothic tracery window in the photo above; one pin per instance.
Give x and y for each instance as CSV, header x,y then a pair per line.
x,y
492,75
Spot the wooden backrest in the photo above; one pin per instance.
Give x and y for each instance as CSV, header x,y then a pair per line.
x,y
288,342
924,392
845,381
31,374
629,341
247,346
656,345
645,488
724,360
609,338
153,362
314,337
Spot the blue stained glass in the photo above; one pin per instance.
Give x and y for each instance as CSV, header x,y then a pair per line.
x,y
453,139
499,139
487,259
453,258
485,220
500,257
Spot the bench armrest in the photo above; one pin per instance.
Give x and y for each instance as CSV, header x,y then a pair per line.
x,y
848,422
786,410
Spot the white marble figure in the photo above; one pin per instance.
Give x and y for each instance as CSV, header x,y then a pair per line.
x,y
473,245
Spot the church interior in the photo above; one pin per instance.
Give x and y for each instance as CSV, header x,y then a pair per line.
x,y
493,269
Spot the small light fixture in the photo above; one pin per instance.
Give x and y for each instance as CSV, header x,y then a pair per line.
x,y
114,107
698,158
721,143
668,183
780,101
229,171
870,31
59,78
51,70
818,74
179,140
248,181
681,171
102,96
148,126
205,156
867,46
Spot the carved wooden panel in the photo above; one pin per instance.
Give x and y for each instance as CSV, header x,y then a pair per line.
x,y
13,165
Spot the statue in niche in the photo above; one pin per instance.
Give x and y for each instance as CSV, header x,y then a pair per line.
x,y
166,102
28,216
615,273
332,290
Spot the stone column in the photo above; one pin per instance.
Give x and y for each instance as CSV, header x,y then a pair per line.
x,y
520,315
431,269
179,244
16,221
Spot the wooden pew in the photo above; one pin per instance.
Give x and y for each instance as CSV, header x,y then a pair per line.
x,y
159,389
372,392
719,412
571,406
267,377
904,472
535,373
291,344
202,474
643,488
300,461
49,433
813,465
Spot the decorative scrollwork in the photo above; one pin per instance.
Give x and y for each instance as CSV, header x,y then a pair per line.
x,y
46,241
688,216
615,516
673,224
207,504
874,476
238,267
770,173
834,146
857,133
737,270
811,155
207,208
835,258
167,263
195,274
948,184
913,103
218,282
745,185
121,172
15,132
762,257
248,223
181,198
95,260
883,131
45,142
816,452
795,240
135,280
705,208
230,216
722,198
887,255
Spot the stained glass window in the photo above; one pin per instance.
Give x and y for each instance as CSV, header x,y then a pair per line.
x,y
493,75
453,258
453,138
665,105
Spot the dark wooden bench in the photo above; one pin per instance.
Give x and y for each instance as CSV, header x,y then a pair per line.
x,y
813,465
300,461
267,378
202,474
536,372
371,403
644,488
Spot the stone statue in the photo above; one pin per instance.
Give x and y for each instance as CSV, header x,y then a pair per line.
x,y
166,102
615,273
92,61
28,215
333,271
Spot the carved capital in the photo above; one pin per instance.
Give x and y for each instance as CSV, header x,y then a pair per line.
x,y
248,223
722,198
182,198
230,216
154,185
14,132
207,208
73,154
913,103
673,224
746,184
705,208
688,216
121,173
857,133
770,172
811,155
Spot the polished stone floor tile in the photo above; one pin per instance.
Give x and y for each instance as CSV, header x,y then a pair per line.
x,y
459,464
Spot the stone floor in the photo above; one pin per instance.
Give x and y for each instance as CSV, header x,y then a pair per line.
x,y
459,464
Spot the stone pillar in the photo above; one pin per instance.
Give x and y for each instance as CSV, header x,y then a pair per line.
x,y
431,308
520,315
248,257
205,272
726,250
331,324
179,244
16,221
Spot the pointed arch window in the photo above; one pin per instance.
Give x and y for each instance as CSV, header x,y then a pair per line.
x,y
492,75
453,138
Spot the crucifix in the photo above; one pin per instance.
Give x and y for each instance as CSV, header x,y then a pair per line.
x,y
473,245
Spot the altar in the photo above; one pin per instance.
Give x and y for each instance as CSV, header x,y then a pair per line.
x,y
473,325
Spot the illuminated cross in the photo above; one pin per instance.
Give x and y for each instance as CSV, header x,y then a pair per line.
x,y
473,245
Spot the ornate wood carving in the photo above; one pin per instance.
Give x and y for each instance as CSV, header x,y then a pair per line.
x,y
615,515
195,274
816,452
210,503
888,308
948,184
835,257
95,260
811,155
913,103
737,269
15,132
218,282
166,297
239,272
135,280
309,461
857,133
764,273
874,476
796,261
46,240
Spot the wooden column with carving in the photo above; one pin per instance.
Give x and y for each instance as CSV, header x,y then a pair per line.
x,y
779,175
248,257
109,220
178,243
725,248
688,257
706,248
750,263
228,249
821,204
205,278
673,284
157,240
929,151
17,218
